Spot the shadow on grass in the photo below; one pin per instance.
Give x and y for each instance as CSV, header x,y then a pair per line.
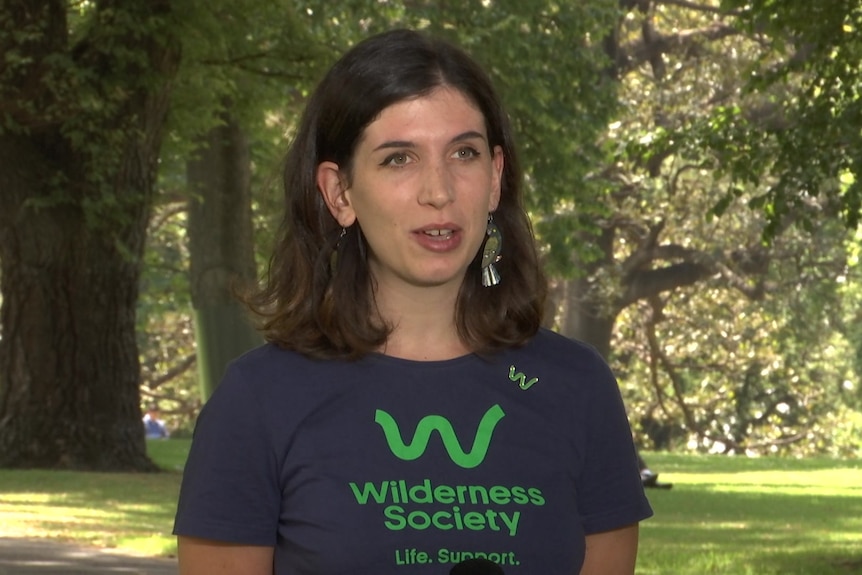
x,y
103,509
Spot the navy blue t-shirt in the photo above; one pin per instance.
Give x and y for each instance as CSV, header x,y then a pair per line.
x,y
390,466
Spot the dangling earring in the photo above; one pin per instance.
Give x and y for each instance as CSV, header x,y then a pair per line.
x,y
333,258
491,254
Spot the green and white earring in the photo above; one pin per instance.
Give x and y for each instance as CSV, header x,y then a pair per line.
x,y
491,254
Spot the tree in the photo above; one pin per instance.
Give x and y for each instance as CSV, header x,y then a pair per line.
x,y
264,52
221,249
662,60
666,283
84,90
806,132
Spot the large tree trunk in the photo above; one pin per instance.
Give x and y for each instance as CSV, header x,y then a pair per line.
x,y
583,319
69,263
221,249
68,358
584,312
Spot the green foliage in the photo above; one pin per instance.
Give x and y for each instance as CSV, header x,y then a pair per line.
x,y
850,289
730,375
254,58
806,132
164,323
753,358
82,71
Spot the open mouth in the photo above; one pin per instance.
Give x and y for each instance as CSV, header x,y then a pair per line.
x,y
443,233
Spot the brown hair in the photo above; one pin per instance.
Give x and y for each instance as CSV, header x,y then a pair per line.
x,y
324,310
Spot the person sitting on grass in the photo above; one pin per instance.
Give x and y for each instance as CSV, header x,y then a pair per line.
x,y
649,478
154,427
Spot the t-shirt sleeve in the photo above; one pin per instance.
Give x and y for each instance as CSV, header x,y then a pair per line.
x,y
230,488
610,493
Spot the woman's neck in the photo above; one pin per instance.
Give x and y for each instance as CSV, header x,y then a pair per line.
x,y
423,324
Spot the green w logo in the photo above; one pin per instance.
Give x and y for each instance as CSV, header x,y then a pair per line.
x,y
521,378
415,449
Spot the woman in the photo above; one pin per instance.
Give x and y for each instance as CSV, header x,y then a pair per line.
x,y
409,413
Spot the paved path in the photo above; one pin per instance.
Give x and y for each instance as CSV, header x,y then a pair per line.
x,y
46,557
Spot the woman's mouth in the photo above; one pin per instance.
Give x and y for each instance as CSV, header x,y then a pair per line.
x,y
444,233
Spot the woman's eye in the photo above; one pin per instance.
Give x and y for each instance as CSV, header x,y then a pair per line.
x,y
466,153
397,159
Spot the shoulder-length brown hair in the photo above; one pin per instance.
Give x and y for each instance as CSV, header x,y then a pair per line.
x,y
317,297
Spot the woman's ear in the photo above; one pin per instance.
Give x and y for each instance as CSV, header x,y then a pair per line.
x,y
332,185
497,165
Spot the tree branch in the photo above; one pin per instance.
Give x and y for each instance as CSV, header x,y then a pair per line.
x,y
658,356
640,281
175,371
642,50
699,7
647,283
644,252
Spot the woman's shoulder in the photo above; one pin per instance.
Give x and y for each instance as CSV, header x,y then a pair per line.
x,y
270,357
568,370
552,345
552,353
269,369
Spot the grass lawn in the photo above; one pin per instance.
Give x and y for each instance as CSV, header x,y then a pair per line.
x,y
128,511
739,516
724,516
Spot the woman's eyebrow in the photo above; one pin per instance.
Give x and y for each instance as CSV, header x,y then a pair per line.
x,y
395,144
468,135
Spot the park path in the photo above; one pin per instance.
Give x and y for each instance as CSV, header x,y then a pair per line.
x,y
47,557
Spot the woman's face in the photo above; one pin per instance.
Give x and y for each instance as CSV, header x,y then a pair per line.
x,y
423,182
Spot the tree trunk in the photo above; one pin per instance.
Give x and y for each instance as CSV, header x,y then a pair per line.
x,y
587,314
68,357
582,318
221,248
70,254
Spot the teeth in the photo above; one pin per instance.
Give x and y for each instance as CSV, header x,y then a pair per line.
x,y
439,232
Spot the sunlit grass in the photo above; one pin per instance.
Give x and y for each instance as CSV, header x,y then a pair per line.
x,y
738,516
127,511
724,516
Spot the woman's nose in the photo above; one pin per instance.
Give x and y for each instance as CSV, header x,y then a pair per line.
x,y
437,189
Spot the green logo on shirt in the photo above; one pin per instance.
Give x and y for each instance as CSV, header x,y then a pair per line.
x,y
416,447
521,379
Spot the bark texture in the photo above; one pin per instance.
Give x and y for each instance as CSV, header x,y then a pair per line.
x,y
75,193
